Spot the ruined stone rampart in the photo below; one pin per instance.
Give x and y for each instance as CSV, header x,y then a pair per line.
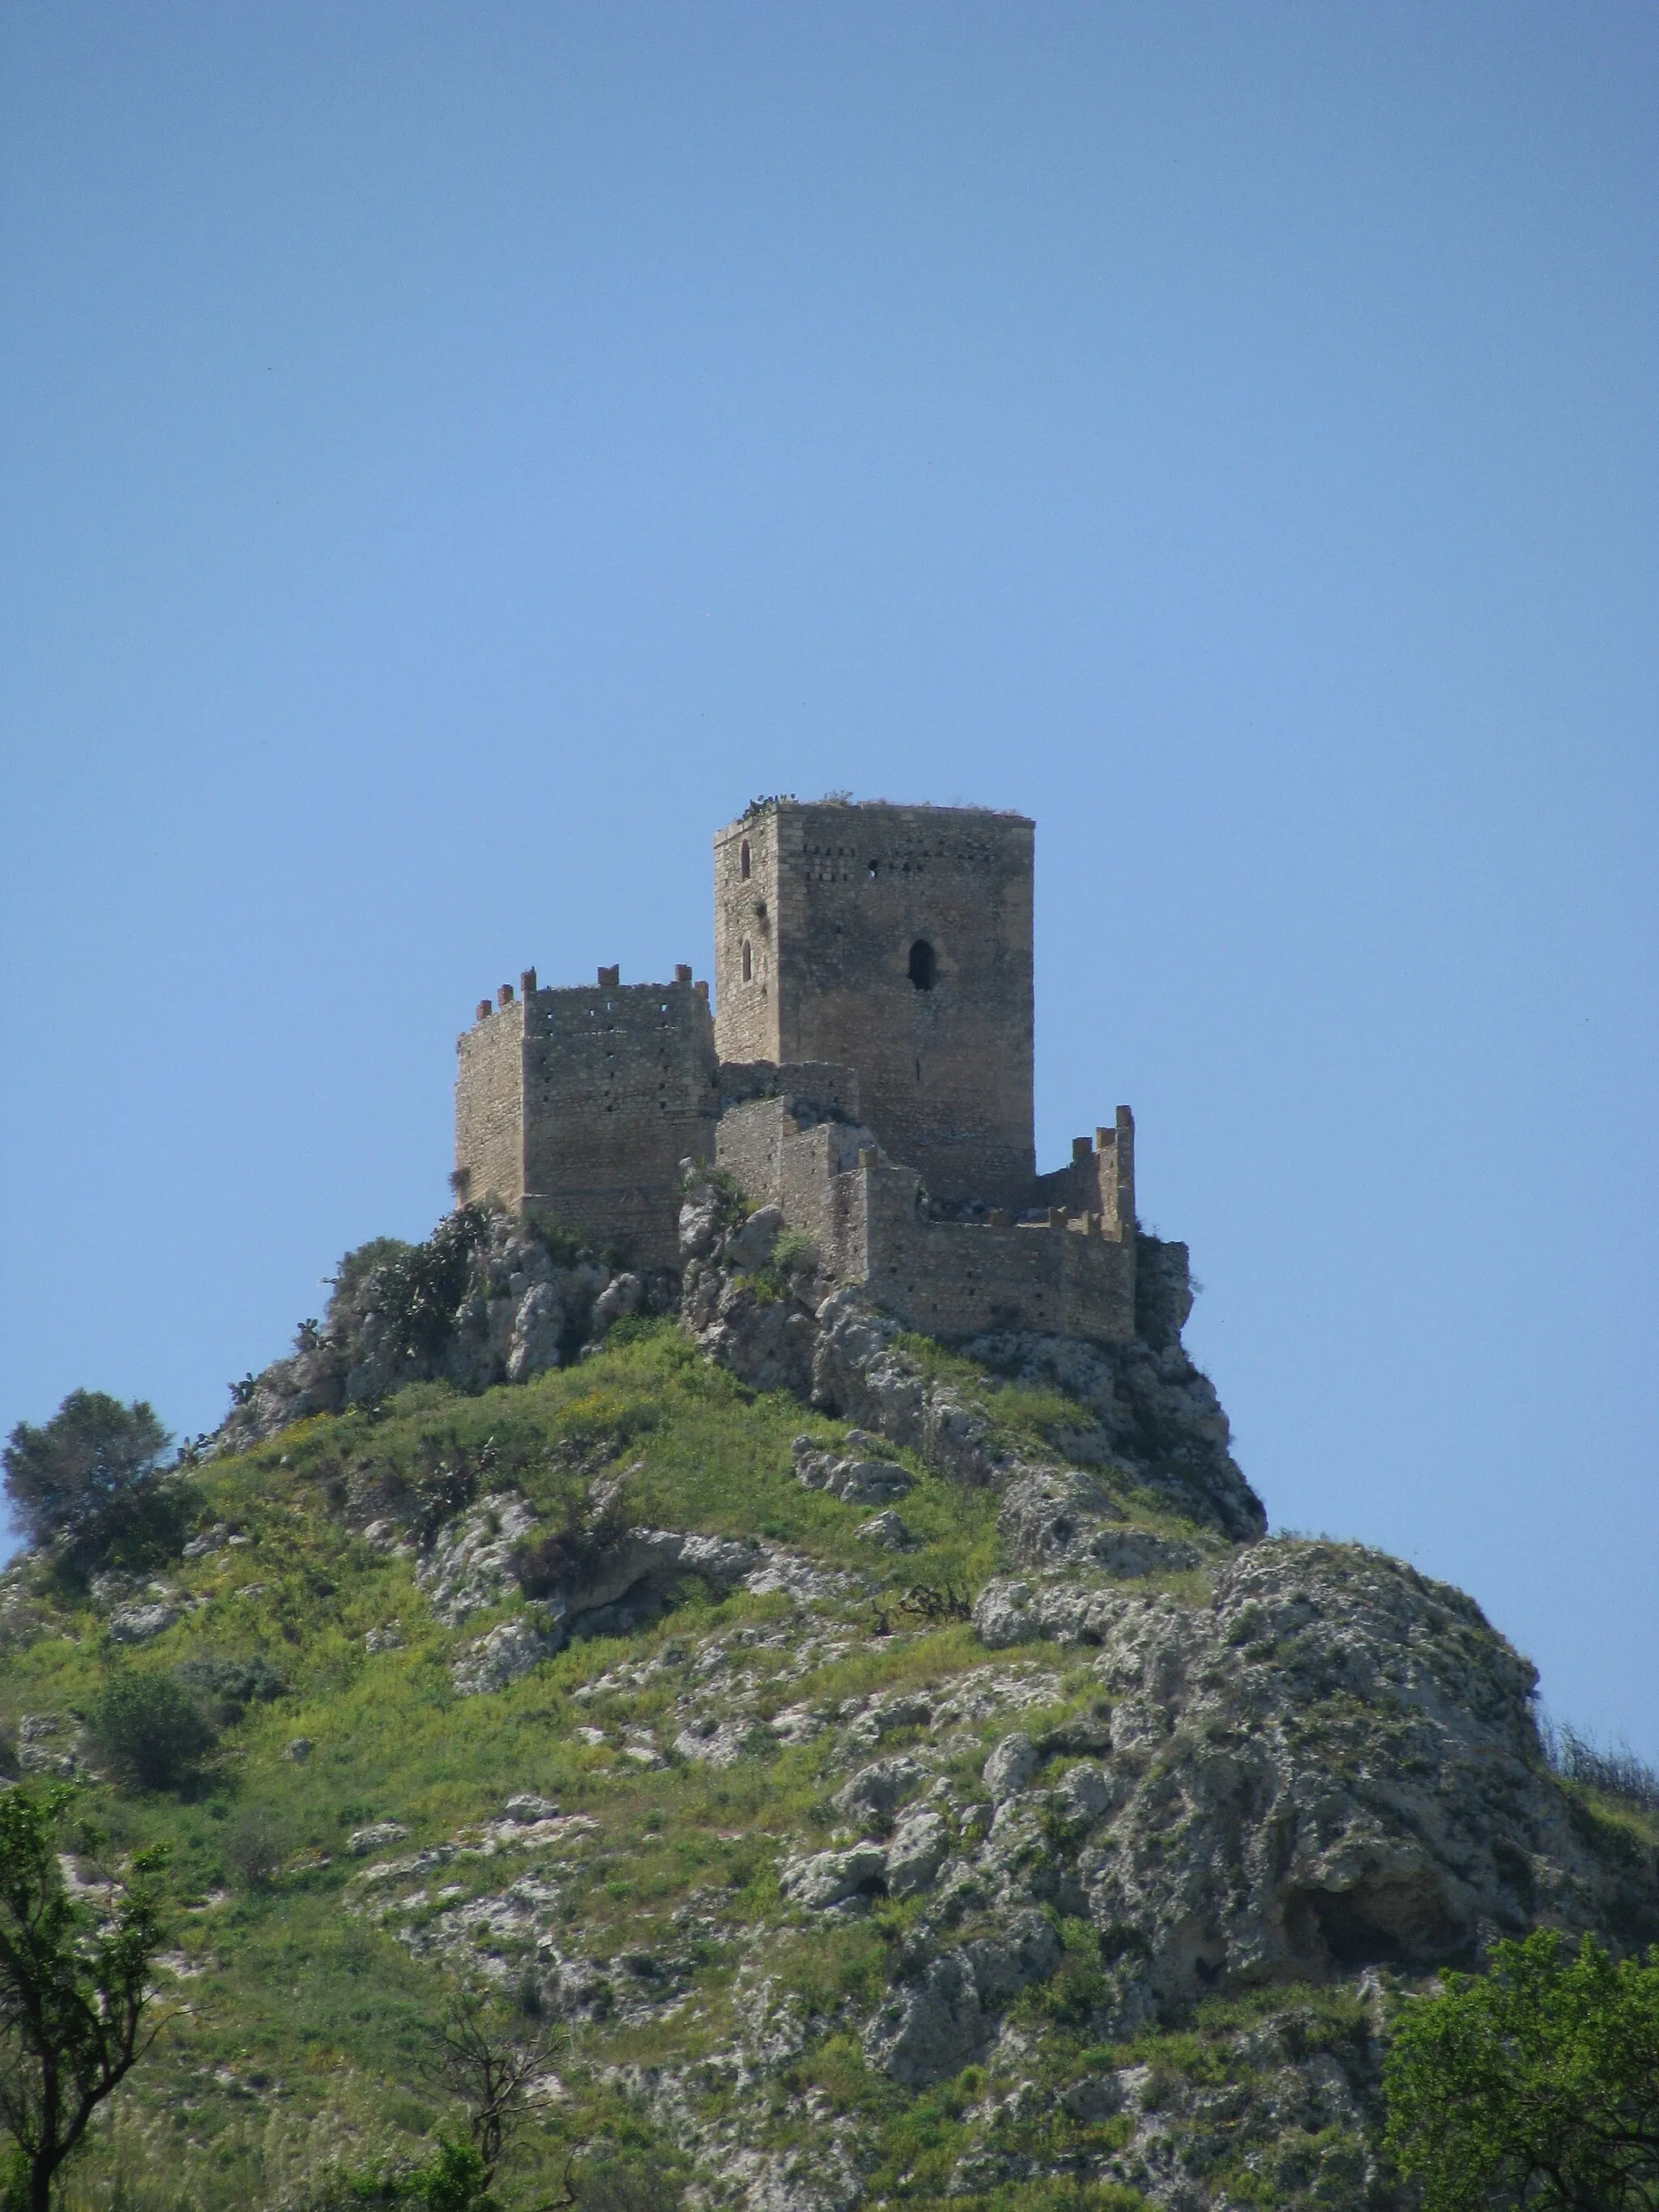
x,y
955,1280
1066,1274
804,1171
1099,1178
813,1091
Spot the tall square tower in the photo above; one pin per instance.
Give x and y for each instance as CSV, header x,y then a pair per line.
x,y
896,940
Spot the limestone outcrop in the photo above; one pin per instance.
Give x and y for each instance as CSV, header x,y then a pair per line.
x,y
1347,1753
1146,1414
1295,1779
489,1299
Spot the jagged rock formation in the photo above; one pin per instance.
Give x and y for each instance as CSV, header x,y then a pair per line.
x,y
1319,1774
489,1299
1144,1411
1348,1753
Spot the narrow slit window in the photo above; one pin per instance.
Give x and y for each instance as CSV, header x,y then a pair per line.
x,y
748,962
924,968
743,859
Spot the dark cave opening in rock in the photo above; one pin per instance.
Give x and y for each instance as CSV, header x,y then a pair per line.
x,y
1377,1924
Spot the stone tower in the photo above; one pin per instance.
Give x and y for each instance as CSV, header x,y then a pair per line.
x,y
581,1103
896,940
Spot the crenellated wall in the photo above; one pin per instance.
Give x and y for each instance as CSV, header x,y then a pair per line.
x,y
959,1279
1099,1178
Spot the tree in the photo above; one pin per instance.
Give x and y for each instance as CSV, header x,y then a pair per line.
x,y
74,1987
1535,2085
93,1467
486,2071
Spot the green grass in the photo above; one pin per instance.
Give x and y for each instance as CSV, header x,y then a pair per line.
x,y
297,2029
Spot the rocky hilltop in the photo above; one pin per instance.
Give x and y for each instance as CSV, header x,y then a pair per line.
x,y
881,1775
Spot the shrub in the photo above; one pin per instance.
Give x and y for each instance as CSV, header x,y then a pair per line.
x,y
233,1684
568,1553
453,2179
355,1270
563,1246
259,1845
442,1492
606,2187
149,1730
734,1205
418,1291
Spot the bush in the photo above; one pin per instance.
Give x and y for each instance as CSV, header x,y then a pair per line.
x,y
258,1846
570,1551
232,1685
347,1282
149,1730
452,2179
442,1491
91,1477
418,1291
795,1253
606,2187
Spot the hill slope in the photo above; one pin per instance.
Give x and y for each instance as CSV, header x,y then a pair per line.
x,y
970,1804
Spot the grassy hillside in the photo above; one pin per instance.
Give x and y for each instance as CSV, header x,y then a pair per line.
x,y
297,2032
692,2006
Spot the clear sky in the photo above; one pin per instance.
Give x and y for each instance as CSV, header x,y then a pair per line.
x,y
454,457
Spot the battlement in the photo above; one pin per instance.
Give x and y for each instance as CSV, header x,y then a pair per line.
x,y
867,1067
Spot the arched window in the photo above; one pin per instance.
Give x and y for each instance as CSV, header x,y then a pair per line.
x,y
748,962
923,966
743,859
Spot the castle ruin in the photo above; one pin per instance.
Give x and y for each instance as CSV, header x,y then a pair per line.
x,y
866,1068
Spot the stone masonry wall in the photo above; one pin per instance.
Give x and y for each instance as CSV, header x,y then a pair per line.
x,y
896,940
746,925
952,1280
809,1173
619,1087
489,1108
814,1092
1099,1178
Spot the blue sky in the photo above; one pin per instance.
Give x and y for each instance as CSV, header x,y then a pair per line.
x,y
455,457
